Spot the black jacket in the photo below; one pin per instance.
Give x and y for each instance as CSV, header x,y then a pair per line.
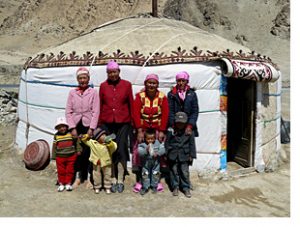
x,y
189,106
180,145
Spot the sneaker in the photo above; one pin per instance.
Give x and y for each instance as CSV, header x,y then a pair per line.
x,y
61,188
143,191
114,188
97,190
69,187
120,188
107,191
187,193
175,192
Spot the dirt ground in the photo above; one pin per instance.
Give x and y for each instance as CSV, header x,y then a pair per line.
x,y
25,193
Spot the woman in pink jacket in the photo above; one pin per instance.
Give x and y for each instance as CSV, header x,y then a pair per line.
x,y
82,113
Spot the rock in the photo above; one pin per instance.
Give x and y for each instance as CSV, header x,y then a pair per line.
x,y
8,107
281,26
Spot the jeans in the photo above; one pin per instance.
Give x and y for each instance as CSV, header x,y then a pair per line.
x,y
150,173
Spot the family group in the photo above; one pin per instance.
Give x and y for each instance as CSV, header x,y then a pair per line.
x,y
94,139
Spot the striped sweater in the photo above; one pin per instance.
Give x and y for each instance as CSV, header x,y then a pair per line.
x,y
65,145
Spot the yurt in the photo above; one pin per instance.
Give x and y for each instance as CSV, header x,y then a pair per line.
x,y
238,90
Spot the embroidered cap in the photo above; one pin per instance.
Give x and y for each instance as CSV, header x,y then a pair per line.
x,y
61,121
82,70
181,117
182,75
98,132
112,65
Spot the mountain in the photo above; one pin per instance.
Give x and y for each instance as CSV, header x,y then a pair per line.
x,y
29,26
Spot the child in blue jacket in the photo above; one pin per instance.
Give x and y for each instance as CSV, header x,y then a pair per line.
x,y
150,152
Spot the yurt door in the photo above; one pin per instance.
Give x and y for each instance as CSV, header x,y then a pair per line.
x,y
241,109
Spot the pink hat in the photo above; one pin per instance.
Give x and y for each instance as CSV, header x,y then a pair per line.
x,y
182,75
61,121
112,65
151,76
82,70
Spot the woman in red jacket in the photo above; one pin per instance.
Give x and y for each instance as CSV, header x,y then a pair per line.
x,y
150,111
116,106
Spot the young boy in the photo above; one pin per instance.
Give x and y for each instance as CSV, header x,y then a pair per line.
x,y
102,148
64,150
181,150
150,152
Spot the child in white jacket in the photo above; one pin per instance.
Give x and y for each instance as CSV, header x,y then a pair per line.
x,y
102,148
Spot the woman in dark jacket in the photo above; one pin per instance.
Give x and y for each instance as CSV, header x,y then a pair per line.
x,y
182,98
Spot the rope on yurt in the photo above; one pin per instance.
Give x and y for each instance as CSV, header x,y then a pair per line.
x,y
155,51
38,128
44,106
52,83
26,97
139,27
92,63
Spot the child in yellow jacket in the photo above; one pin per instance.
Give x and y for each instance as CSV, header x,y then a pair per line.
x,y
102,148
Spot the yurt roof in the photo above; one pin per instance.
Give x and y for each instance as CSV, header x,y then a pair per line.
x,y
142,41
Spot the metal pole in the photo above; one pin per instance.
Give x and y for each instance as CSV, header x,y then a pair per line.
x,y
154,8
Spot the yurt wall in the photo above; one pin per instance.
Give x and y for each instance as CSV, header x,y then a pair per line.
x,y
268,124
43,94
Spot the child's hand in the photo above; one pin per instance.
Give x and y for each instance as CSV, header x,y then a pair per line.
x,y
78,153
84,137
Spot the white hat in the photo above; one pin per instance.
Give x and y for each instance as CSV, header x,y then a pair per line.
x,y
61,121
82,70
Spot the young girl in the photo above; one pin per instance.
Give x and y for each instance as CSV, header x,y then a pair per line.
x,y
64,150
181,150
150,152
102,148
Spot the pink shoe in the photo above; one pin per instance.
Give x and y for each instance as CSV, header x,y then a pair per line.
x,y
137,187
160,187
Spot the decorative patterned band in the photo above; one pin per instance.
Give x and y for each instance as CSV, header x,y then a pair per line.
x,y
136,58
251,70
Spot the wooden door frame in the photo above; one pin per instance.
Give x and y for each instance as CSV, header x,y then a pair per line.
x,y
251,154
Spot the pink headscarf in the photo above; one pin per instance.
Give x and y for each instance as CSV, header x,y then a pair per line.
x,y
151,76
82,70
183,75
112,65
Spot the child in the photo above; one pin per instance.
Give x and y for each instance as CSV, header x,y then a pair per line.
x,y
181,150
150,152
102,148
64,150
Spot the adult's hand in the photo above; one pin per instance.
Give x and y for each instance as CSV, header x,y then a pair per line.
x,y
161,136
74,133
188,131
90,132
